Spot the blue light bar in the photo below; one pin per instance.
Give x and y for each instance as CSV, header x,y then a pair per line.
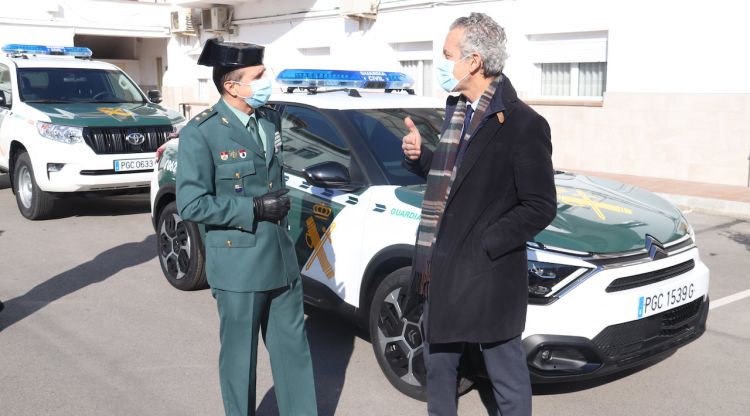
x,y
77,51
16,48
313,78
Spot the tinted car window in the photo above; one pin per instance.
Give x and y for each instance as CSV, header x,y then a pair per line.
x,y
76,85
383,131
5,84
310,138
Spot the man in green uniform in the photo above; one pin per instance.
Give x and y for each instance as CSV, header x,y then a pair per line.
x,y
230,179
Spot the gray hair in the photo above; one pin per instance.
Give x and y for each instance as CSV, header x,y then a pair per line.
x,y
482,35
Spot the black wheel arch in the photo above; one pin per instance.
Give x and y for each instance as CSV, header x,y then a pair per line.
x,y
386,261
16,148
166,194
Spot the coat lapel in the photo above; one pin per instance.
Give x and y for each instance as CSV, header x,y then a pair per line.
x,y
487,131
238,133
473,153
267,129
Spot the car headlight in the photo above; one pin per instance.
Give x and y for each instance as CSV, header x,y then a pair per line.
x,y
547,278
691,231
58,133
176,128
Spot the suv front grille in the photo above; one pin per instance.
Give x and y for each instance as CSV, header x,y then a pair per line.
x,y
111,140
644,279
634,340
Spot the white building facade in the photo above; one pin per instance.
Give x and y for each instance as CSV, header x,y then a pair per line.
x,y
648,88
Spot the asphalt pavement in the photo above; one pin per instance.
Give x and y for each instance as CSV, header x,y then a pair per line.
x,y
90,327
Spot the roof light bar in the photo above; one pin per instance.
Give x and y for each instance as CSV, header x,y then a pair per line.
x,y
76,51
315,78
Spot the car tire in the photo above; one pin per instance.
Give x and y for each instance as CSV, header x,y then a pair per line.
x,y
33,203
180,250
397,340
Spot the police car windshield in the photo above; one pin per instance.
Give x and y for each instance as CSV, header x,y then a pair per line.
x,y
76,85
383,129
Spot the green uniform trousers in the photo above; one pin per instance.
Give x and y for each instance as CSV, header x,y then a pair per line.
x,y
279,316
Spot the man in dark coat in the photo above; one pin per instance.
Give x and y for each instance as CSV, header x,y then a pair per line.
x,y
230,179
490,189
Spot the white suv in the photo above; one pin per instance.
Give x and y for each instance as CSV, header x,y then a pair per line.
x,y
69,125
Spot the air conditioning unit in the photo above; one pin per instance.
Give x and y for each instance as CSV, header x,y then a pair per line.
x,y
182,22
359,9
215,19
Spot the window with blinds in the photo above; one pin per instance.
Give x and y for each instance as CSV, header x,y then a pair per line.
x,y
570,64
592,79
556,79
421,72
574,79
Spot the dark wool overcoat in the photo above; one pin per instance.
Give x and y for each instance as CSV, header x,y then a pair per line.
x,y
502,196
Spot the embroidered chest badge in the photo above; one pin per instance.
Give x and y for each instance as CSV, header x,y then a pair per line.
x,y
243,153
224,155
233,154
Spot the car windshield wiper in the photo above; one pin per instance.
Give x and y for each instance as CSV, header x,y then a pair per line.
x,y
48,101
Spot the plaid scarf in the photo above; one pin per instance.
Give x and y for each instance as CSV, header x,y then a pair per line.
x,y
440,179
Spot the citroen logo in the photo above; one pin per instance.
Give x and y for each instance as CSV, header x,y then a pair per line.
x,y
655,248
136,139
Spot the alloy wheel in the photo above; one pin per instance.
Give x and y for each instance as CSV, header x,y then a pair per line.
x,y
174,246
400,341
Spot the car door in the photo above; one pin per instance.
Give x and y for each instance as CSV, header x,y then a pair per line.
x,y
7,90
310,137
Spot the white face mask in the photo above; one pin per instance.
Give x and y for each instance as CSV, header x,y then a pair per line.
x,y
444,71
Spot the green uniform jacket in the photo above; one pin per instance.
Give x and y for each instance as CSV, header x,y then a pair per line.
x,y
221,169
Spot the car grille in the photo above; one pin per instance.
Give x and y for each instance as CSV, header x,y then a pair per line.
x,y
111,140
644,279
632,341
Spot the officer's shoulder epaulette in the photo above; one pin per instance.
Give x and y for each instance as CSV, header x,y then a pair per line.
x,y
203,116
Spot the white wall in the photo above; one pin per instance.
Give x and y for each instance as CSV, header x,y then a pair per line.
x,y
677,95
676,100
673,46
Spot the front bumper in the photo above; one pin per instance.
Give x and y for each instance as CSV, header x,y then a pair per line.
x,y
556,358
94,174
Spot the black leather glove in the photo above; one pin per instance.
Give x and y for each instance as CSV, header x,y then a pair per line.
x,y
272,206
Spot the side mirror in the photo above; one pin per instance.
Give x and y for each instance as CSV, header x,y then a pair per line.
x,y
331,175
154,96
3,101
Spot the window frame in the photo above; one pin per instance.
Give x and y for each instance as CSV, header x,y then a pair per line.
x,y
572,48
9,97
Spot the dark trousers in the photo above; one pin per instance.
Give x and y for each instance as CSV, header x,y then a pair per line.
x,y
278,316
506,367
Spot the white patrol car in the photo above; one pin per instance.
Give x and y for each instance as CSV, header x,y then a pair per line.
x,y
614,282
71,125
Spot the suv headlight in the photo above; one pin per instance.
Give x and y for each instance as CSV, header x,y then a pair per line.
x,y
58,133
547,278
176,129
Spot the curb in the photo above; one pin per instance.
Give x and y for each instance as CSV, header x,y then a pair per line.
x,y
710,205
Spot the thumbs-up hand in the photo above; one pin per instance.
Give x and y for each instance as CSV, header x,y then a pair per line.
x,y
412,142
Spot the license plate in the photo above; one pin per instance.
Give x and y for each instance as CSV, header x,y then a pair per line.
x,y
134,164
666,300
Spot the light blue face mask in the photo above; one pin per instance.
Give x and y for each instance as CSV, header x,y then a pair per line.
x,y
444,71
261,92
